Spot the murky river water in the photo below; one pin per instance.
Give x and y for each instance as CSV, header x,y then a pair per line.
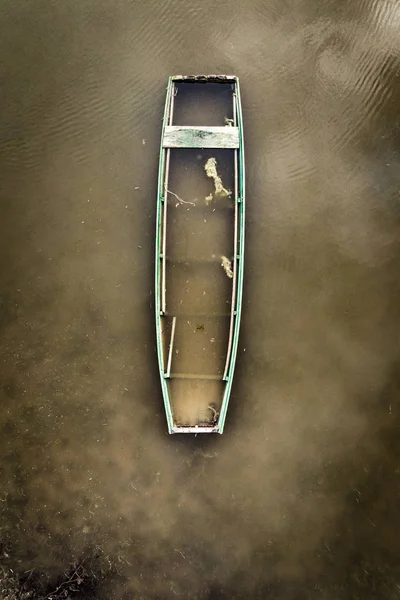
x,y
299,497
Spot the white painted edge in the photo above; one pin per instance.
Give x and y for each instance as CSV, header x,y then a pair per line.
x,y
194,430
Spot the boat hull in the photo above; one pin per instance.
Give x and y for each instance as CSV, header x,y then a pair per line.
x,y
199,250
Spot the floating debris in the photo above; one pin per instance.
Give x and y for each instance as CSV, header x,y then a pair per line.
x,y
214,417
209,199
229,122
226,264
211,171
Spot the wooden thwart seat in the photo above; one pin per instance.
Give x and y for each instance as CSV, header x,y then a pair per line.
x,y
176,136
188,315
194,376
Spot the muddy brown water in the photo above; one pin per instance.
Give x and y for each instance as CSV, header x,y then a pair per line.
x,y
299,497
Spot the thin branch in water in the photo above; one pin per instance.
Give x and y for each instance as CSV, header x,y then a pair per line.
x,y
75,578
180,199
214,412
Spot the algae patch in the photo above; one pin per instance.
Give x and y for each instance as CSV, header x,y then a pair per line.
x,y
226,264
220,192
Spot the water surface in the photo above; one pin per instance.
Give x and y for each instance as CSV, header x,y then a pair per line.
x,y
298,498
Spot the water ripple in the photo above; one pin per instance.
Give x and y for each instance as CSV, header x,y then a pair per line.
x,y
356,76
329,72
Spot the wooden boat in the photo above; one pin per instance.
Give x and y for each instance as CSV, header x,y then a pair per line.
x,y
199,249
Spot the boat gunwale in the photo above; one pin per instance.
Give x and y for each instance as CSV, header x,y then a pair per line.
x,y
240,266
157,302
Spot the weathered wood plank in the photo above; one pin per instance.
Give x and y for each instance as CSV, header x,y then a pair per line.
x,y
194,376
196,429
176,136
205,78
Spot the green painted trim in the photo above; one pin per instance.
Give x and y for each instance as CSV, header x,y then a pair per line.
x,y
239,296
160,199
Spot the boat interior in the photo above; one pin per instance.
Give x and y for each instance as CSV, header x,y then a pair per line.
x,y
199,238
